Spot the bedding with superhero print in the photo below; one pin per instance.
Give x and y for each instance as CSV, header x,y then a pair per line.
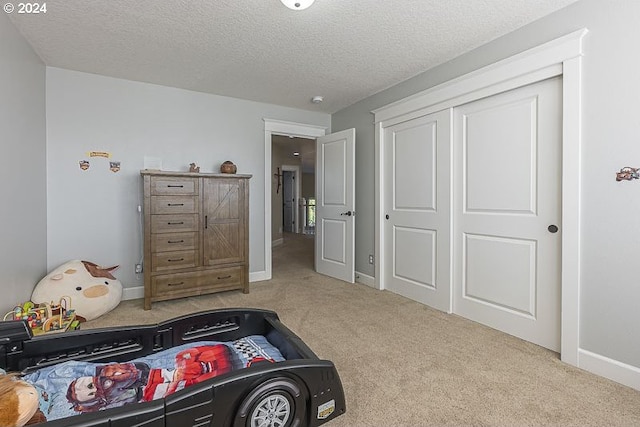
x,y
76,387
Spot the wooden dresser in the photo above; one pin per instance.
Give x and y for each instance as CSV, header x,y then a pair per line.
x,y
196,238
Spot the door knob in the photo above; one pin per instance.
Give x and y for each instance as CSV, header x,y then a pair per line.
x,y
552,228
386,216
347,213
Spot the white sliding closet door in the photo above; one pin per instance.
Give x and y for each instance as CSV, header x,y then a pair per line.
x,y
417,155
507,211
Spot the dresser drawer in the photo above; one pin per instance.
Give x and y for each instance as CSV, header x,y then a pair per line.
x,y
164,261
174,204
168,242
174,223
205,281
174,186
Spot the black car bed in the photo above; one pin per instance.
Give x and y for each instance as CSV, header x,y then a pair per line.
x,y
301,390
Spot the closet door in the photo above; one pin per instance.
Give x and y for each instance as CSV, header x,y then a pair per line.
x,y
507,211
417,155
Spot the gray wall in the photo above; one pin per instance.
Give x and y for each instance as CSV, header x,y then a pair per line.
x,y
610,211
93,214
308,185
23,234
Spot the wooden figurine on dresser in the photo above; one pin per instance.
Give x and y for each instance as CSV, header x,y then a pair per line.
x,y
196,238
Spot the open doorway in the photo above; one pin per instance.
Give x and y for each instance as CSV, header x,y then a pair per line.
x,y
293,193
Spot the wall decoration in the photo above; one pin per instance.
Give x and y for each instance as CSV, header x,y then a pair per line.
x,y
278,176
627,174
104,154
114,165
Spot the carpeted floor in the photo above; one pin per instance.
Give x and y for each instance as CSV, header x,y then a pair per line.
x,y
404,364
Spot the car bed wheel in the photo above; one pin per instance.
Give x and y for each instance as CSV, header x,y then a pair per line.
x,y
274,410
277,402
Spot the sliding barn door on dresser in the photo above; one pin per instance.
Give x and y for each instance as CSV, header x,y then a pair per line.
x,y
195,234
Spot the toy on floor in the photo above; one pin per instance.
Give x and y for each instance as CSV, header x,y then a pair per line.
x,y
19,402
93,289
45,317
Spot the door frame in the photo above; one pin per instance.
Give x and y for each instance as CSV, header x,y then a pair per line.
x,y
562,56
296,190
277,127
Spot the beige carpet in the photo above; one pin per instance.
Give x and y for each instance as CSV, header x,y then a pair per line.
x,y
404,364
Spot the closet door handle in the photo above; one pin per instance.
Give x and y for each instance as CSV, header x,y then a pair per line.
x,y
206,221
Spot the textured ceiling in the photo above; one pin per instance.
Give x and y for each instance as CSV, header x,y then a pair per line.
x,y
344,50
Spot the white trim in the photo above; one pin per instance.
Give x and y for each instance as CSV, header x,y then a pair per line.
x,y
561,56
538,58
134,292
571,158
378,208
298,189
609,368
365,279
277,127
277,242
258,276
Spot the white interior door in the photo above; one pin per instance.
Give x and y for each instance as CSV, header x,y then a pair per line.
x,y
417,209
507,187
335,204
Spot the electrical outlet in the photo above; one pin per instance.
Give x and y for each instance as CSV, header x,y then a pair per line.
x,y
138,268
370,259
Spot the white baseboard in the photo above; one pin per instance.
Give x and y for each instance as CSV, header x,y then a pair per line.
x,y
134,292
609,368
277,242
365,279
258,276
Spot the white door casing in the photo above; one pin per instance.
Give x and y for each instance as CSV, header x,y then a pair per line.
x,y
335,205
417,156
276,127
507,163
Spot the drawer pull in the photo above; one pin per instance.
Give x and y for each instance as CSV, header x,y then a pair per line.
x,y
175,260
175,241
175,284
224,277
175,204
175,223
175,186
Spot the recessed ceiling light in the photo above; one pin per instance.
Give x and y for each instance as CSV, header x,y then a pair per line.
x,y
317,99
295,153
297,4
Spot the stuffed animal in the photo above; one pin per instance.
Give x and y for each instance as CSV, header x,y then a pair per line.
x,y
19,403
92,289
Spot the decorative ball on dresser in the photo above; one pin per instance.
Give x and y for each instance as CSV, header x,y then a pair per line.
x,y
228,167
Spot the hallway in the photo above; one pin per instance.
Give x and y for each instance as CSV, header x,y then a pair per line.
x,y
293,257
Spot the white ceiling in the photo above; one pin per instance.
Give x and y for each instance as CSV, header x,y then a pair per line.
x,y
344,50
